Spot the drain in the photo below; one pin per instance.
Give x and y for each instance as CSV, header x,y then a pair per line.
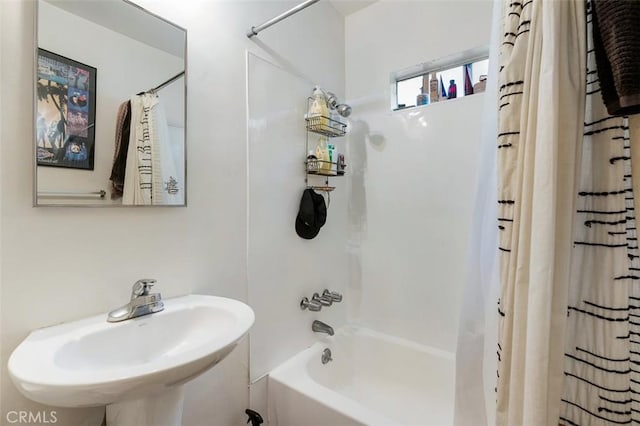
x,y
326,356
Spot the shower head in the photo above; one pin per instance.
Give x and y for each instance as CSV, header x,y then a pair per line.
x,y
344,110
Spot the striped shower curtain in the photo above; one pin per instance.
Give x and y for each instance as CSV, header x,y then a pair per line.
x,y
602,351
569,337
540,121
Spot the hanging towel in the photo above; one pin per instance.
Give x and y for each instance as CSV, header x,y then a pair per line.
x,y
151,169
138,184
123,126
616,39
168,185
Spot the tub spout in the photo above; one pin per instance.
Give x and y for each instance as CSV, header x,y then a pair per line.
x,y
320,327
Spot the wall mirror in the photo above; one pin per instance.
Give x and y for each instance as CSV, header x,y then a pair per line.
x,y
109,105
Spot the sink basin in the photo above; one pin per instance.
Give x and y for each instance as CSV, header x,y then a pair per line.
x,y
92,362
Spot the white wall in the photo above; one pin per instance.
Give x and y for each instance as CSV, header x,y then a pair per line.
x,y
60,264
129,67
413,171
284,268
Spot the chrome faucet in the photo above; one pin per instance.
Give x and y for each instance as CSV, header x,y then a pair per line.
x,y
332,295
322,300
310,305
141,303
317,301
320,327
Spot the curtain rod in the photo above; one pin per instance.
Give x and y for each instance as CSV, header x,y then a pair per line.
x,y
255,30
166,83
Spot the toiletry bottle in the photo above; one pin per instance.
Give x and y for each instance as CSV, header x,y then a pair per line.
x,y
468,86
480,86
319,111
453,90
322,153
443,94
341,164
327,156
332,157
312,162
433,88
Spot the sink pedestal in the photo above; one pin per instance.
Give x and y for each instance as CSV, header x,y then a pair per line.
x,y
164,409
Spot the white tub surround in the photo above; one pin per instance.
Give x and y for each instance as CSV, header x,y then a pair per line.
x,y
373,379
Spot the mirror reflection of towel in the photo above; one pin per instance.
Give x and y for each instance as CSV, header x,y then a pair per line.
x,y
151,173
123,126
168,184
138,174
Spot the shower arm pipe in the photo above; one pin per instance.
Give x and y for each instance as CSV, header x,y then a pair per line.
x,y
255,30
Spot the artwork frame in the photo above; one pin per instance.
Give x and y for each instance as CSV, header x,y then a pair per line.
x,y
65,112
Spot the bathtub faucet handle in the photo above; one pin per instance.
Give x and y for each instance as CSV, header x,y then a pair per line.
x,y
323,300
336,297
311,305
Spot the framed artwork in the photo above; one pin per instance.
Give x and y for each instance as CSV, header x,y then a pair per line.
x,y
66,110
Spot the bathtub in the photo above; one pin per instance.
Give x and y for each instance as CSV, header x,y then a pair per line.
x,y
373,379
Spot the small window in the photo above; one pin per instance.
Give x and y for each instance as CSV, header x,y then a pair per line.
x,y
440,80
409,89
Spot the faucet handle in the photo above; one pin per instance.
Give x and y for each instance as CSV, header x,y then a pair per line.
x,y
311,305
336,297
323,300
142,287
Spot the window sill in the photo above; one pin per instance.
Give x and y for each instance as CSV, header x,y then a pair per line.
x,y
448,101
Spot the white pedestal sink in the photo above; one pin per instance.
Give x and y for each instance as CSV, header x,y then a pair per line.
x,y
135,367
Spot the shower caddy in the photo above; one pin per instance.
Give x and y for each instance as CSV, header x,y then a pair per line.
x,y
331,128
